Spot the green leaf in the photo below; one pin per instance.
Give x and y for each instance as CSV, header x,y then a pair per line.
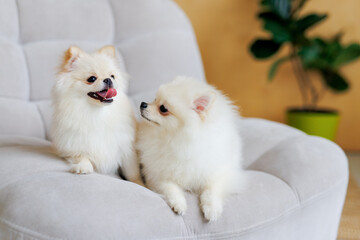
x,y
309,53
281,7
276,26
269,15
264,48
334,80
320,42
279,32
308,21
274,67
320,54
310,57
298,38
264,2
333,49
347,55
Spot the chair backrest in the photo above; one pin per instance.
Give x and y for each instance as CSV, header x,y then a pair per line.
x,y
154,40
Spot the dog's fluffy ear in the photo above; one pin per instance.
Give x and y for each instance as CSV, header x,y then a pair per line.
x,y
202,103
108,50
70,58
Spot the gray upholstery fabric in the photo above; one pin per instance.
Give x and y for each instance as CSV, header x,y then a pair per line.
x,y
155,37
151,17
13,71
159,65
20,118
297,183
40,199
65,20
9,20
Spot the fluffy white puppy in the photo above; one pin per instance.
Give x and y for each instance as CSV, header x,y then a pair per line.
x,y
189,141
93,123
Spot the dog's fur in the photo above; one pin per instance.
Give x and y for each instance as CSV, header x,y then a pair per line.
x,y
194,146
89,133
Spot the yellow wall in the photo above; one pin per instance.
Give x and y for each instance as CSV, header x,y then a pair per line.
x,y
224,29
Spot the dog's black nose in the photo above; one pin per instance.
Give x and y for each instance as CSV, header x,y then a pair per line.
x,y
143,105
108,82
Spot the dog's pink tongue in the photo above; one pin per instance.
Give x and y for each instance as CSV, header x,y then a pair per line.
x,y
111,92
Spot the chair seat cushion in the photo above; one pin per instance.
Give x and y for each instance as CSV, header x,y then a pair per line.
x,y
40,199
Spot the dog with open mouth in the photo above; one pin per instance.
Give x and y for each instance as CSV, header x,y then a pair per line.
x,y
93,123
189,141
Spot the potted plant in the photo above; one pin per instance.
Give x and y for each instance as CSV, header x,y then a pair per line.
x,y
282,19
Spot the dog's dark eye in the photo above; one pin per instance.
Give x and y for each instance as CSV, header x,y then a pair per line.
x,y
91,79
163,109
112,76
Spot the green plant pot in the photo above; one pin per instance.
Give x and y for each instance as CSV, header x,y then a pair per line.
x,y
321,123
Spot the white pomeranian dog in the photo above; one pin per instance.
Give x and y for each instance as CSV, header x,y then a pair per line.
x,y
190,141
93,123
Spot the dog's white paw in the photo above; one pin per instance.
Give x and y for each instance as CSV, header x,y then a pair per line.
x,y
83,167
212,210
178,205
